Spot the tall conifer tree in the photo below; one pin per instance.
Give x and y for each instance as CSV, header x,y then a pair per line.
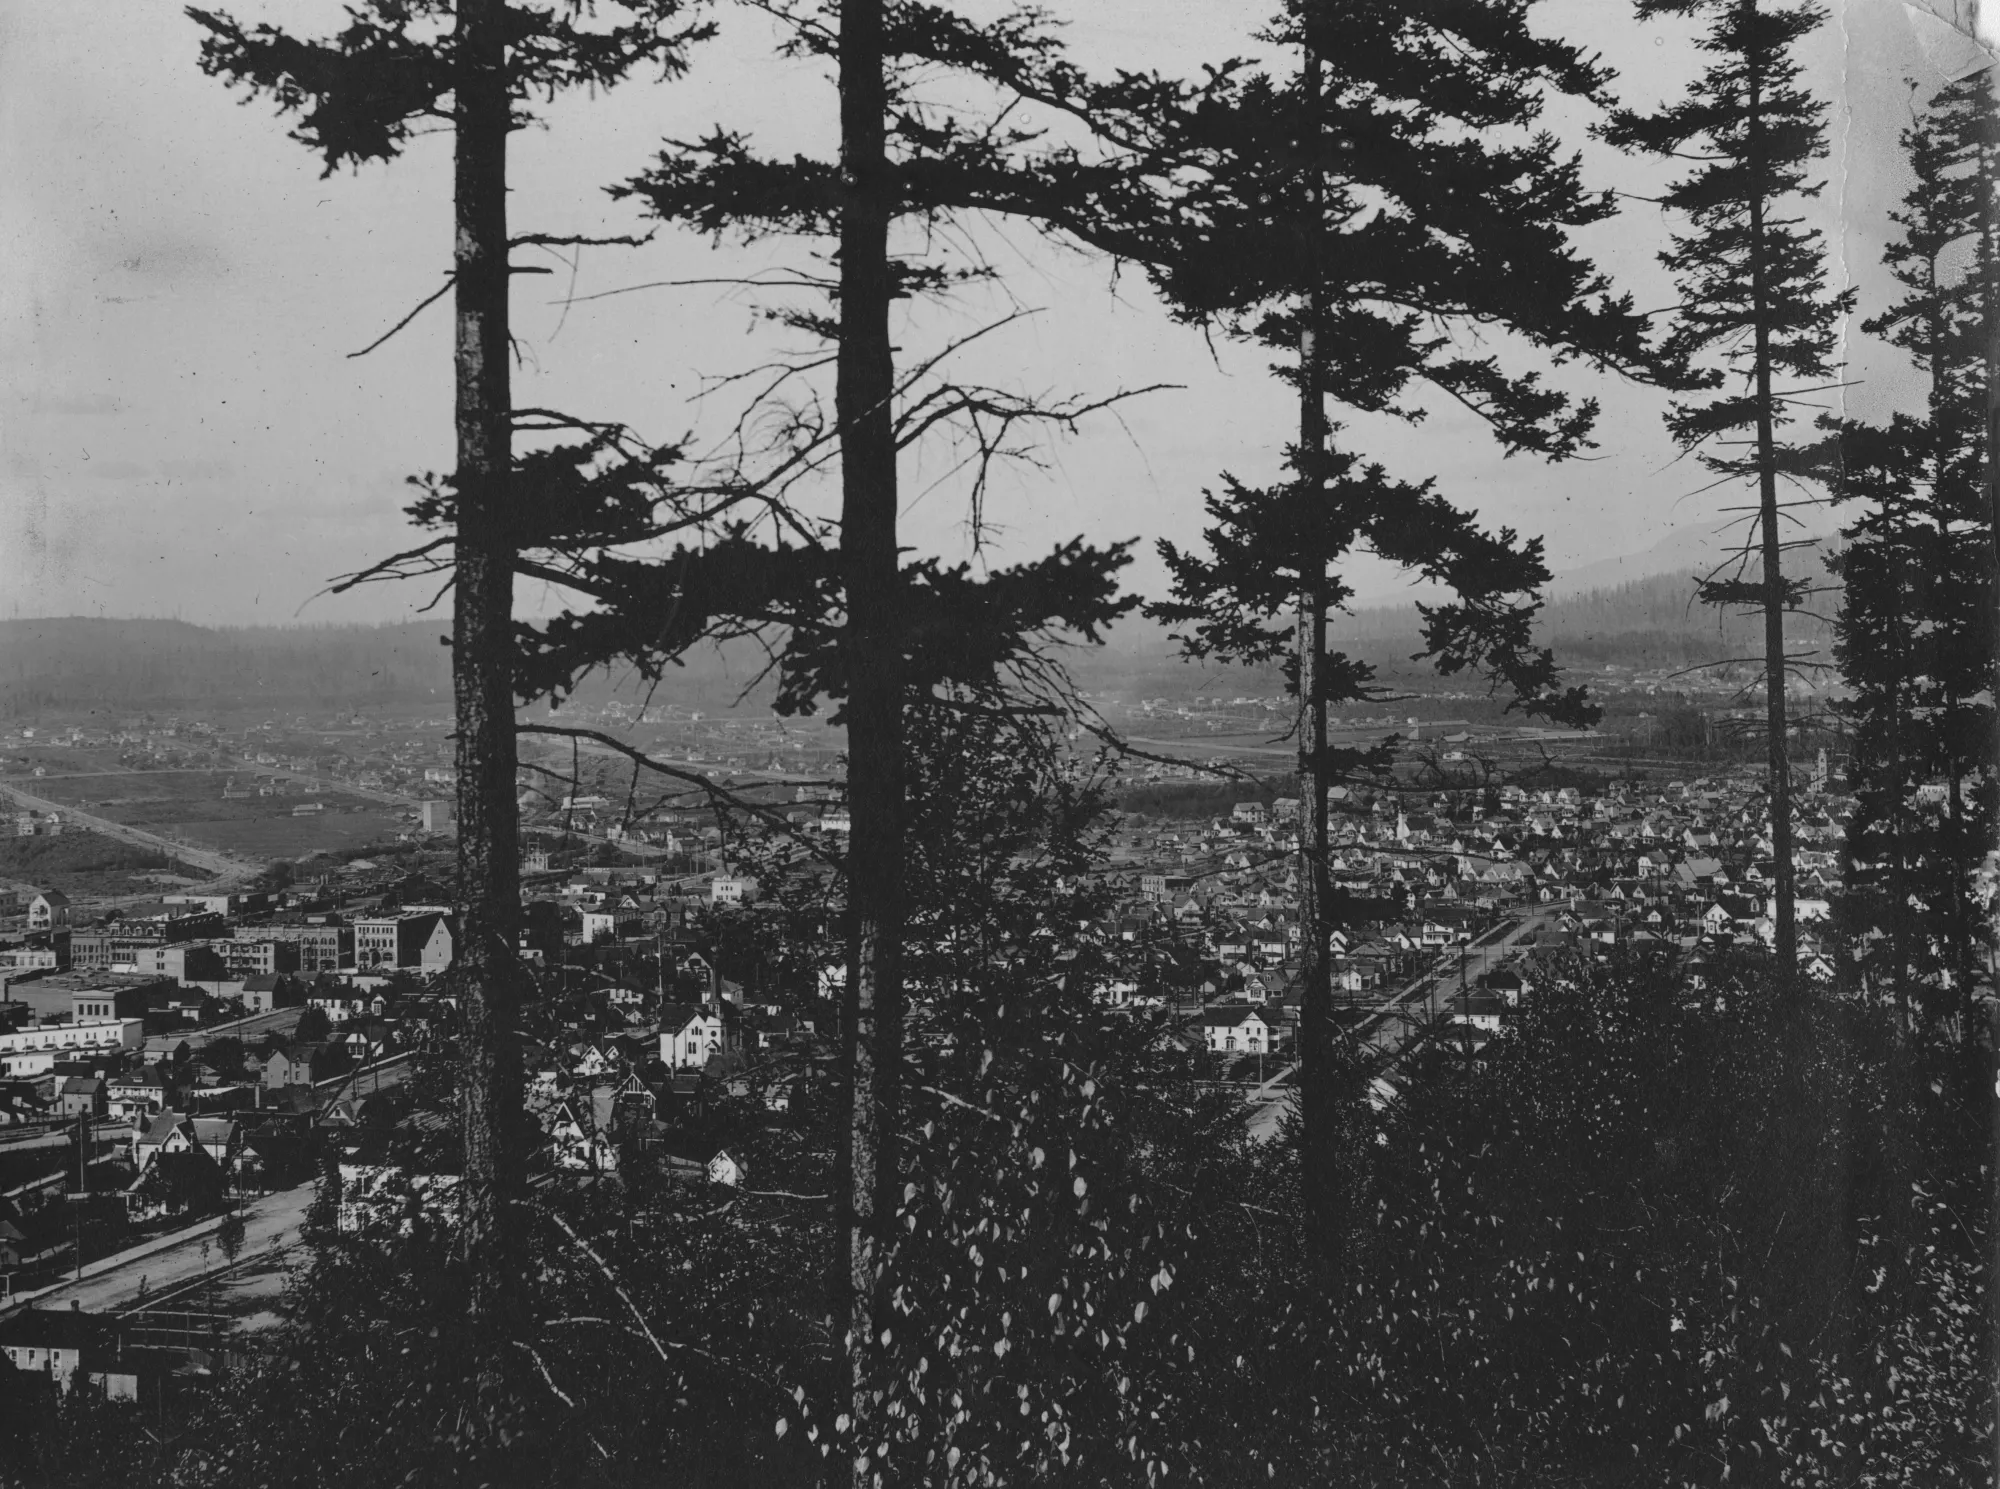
x,y
1916,624
1757,324
865,626
1358,217
359,96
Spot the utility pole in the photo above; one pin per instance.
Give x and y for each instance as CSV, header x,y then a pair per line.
x,y
82,1195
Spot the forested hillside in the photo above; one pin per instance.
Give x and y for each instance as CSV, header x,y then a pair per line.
x,y
84,662
1650,622
81,662
78,662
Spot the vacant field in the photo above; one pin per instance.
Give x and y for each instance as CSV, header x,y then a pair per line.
x,y
190,805
291,837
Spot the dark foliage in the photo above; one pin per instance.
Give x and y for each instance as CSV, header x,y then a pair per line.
x,y
1915,640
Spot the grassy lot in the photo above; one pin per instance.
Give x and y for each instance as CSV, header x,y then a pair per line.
x,y
190,805
292,837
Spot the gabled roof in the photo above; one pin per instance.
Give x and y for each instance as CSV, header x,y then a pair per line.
x,y
214,1129
1231,1015
162,1126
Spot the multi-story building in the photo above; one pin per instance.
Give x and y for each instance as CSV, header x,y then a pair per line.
x,y
127,942
321,948
31,1051
263,957
423,942
187,962
29,958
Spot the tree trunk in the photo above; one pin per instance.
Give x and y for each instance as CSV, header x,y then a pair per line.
x,y
487,974
872,1030
1787,935
1323,1066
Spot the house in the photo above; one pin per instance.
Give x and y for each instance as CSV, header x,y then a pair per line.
x,y
83,1096
1236,1028
1705,872
164,1132
578,1145
48,910
293,1067
221,1138
175,1174
1479,1010
271,991
135,1096
635,1090
724,1168
67,1345
339,1001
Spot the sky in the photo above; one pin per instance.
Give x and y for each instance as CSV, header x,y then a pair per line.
x,y
183,431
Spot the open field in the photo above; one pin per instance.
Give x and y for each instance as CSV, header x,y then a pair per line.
x,y
189,804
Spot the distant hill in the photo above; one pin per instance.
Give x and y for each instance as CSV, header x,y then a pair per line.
x,y
80,663
86,662
1650,622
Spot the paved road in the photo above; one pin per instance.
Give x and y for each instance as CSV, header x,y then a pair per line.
x,y
270,1222
220,864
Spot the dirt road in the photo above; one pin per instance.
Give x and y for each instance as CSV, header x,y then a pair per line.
x,y
269,1223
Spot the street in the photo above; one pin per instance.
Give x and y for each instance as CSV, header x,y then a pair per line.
x,y
1389,1028
269,1222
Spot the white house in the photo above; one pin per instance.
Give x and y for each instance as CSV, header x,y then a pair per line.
x,y
724,1169
1803,909
1236,1028
48,910
732,889
578,1147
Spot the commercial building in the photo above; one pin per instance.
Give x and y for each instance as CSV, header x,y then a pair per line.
x,y
423,942
34,1050
264,957
86,994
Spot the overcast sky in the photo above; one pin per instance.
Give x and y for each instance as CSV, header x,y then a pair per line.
x,y
183,433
